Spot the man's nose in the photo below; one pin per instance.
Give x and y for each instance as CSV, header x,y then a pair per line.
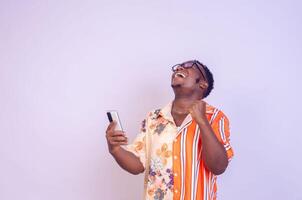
x,y
180,68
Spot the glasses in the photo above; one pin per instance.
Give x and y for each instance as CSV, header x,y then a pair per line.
x,y
188,65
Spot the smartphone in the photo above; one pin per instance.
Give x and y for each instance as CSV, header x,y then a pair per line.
x,y
113,116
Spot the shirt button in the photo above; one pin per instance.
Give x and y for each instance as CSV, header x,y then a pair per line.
x,y
175,157
175,140
175,174
176,191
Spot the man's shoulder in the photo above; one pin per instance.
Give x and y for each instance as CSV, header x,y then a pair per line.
x,y
214,112
164,111
154,114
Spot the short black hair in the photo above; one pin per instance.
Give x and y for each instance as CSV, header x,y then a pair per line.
x,y
210,80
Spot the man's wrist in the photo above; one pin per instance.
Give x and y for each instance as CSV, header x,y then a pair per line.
x,y
114,151
202,121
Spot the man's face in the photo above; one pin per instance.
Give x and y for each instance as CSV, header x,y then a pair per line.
x,y
186,77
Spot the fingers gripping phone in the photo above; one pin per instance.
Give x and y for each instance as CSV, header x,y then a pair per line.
x,y
113,116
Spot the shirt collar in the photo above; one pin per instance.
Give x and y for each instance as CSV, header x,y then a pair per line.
x,y
165,112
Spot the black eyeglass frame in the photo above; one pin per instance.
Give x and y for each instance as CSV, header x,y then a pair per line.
x,y
194,62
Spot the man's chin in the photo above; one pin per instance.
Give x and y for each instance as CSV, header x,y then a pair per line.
x,y
176,85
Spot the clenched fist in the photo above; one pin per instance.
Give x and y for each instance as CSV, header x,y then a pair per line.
x,y
115,138
198,111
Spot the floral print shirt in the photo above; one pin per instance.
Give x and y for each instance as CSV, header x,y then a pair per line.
x,y
176,168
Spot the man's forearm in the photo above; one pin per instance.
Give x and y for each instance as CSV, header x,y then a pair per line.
x,y
213,151
128,161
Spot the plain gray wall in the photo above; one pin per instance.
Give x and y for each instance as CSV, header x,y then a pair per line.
x,y
64,63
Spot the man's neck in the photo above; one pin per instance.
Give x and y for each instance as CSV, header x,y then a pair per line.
x,y
182,105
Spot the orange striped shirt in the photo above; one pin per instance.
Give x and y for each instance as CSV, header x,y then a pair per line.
x,y
176,168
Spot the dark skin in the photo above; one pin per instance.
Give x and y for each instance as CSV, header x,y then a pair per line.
x,y
188,100
126,160
188,92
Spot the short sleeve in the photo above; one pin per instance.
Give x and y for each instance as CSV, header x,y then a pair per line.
x,y
221,128
138,146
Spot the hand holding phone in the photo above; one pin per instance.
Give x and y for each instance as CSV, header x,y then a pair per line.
x,y
113,116
114,134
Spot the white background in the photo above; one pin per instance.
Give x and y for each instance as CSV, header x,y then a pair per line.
x,y
64,63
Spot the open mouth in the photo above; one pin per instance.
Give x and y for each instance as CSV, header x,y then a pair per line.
x,y
180,74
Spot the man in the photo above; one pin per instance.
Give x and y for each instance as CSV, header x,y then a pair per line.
x,y
183,146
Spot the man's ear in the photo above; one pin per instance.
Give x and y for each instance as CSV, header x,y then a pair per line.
x,y
203,85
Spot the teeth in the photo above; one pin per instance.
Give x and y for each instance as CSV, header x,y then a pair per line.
x,y
180,74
